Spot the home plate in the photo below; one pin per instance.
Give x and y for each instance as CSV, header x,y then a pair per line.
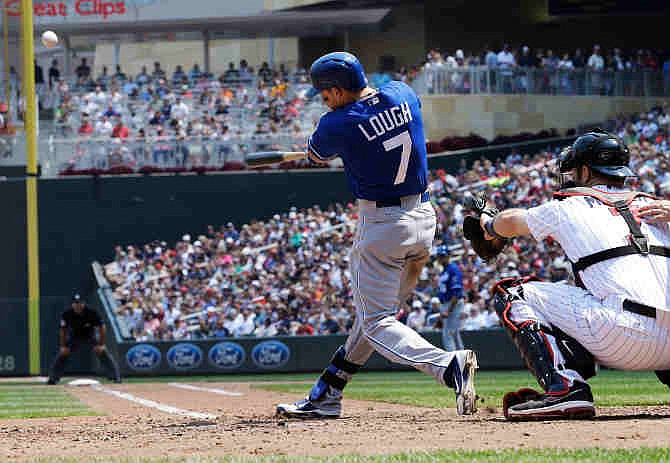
x,y
83,382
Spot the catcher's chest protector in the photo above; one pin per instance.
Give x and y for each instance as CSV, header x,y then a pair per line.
x,y
638,243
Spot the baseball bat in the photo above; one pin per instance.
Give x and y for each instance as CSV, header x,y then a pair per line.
x,y
266,158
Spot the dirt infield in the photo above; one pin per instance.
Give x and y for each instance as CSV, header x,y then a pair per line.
x,y
245,425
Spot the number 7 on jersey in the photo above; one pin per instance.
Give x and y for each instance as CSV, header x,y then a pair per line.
x,y
402,139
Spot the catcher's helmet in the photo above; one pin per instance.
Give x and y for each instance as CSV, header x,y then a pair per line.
x,y
601,151
339,69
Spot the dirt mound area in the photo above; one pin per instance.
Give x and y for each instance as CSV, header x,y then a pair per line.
x,y
245,425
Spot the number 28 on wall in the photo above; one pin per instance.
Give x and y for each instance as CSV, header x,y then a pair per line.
x,y
7,363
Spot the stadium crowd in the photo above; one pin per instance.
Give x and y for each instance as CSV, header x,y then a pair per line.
x,y
181,118
183,104
540,70
289,275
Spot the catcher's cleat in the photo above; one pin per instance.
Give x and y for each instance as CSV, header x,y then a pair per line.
x,y
463,380
577,403
518,397
328,407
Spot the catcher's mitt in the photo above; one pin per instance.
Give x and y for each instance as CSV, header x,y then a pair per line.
x,y
473,232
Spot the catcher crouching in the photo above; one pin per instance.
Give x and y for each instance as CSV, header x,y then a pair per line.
x,y
618,315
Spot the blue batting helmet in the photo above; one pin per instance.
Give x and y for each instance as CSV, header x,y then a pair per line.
x,y
339,69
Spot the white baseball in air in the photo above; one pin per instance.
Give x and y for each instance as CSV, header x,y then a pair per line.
x,y
49,39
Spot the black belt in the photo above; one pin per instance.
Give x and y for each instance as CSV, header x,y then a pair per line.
x,y
640,309
425,196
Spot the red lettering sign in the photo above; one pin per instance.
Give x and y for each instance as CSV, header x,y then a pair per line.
x,y
81,7
99,8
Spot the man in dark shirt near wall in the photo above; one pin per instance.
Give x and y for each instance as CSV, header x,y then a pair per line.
x,y
78,326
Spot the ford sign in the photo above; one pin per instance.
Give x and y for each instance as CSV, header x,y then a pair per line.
x,y
226,355
143,357
270,354
184,356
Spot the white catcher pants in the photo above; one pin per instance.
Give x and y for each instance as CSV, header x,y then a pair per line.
x,y
386,240
616,338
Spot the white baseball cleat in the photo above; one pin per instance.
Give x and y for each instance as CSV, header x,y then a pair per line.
x,y
464,380
329,407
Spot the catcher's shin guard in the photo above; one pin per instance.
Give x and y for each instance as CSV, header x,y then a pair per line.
x,y
530,339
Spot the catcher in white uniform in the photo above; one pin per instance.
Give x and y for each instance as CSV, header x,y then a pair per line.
x,y
618,316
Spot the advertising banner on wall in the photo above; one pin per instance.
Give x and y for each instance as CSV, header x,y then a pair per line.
x,y
283,354
55,12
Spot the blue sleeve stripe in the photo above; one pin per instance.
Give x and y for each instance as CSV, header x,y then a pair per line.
x,y
310,146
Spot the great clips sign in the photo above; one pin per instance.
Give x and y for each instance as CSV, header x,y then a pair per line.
x,y
84,8
64,14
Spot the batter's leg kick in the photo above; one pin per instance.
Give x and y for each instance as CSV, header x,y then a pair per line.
x,y
558,362
378,263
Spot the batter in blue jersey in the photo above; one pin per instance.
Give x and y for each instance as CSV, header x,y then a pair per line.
x,y
378,134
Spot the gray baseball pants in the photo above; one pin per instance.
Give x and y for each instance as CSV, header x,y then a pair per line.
x,y
390,243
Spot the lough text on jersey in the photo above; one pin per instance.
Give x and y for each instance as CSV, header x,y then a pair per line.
x,y
386,121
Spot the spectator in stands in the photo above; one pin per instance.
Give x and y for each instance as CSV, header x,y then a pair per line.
x,y
39,83
506,64
130,88
231,74
85,127
54,74
119,75
179,110
330,324
565,67
157,118
178,76
245,71
110,112
265,73
103,79
103,127
526,61
120,130
596,65
417,317
83,71
195,74
158,72
143,77
579,60
617,61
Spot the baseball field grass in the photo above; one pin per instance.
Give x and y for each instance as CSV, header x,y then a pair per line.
x,y
610,388
646,455
39,402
